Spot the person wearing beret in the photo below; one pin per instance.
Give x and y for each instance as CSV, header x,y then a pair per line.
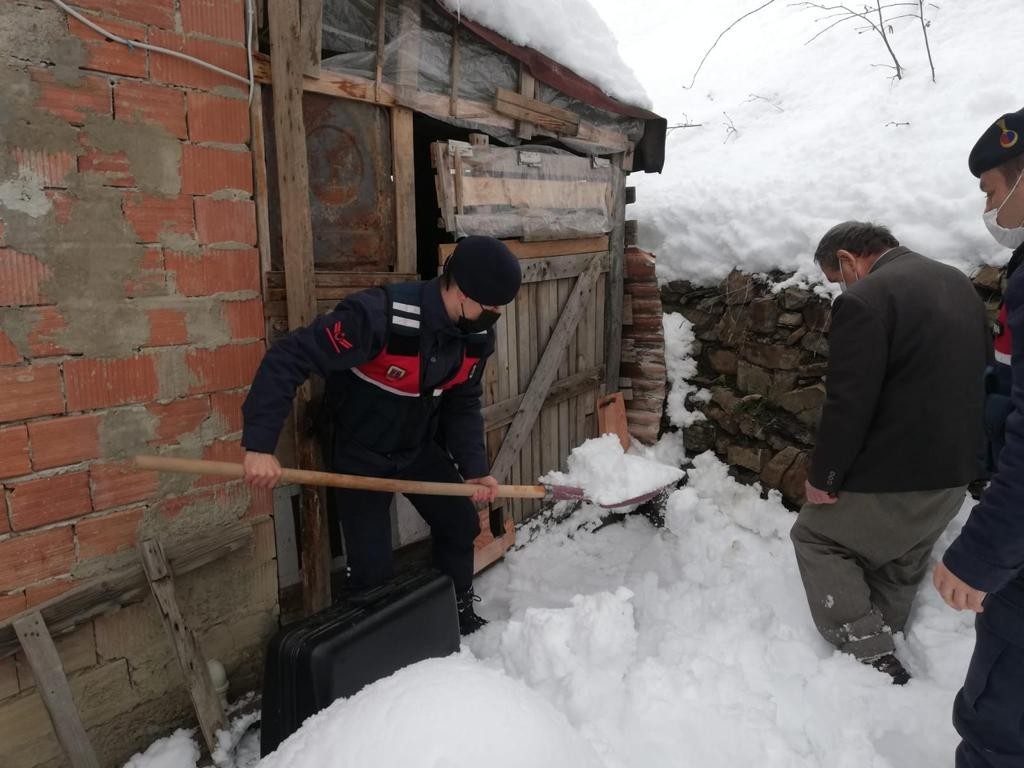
x,y
896,444
983,569
403,366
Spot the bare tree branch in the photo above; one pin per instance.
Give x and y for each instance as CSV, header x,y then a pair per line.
x,y
924,31
720,36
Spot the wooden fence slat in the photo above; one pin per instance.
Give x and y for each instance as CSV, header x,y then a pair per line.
x,y
54,690
190,655
500,414
312,12
568,367
538,249
546,370
614,283
127,585
405,189
533,193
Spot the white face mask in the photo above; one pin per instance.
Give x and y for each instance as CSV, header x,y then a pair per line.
x,y
1011,238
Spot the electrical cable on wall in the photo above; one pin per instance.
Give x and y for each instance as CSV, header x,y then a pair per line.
x,y
249,80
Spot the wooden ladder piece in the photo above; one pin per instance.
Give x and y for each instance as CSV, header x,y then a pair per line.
x,y
186,648
52,685
611,418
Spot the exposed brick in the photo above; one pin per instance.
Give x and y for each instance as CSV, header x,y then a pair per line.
x,y
14,458
51,167
225,221
245,319
89,95
224,450
150,279
21,278
33,557
12,604
150,216
62,203
115,485
228,367
167,327
178,418
147,103
63,441
159,13
108,534
44,335
9,354
46,500
205,170
214,18
40,593
104,383
261,503
215,271
31,390
217,118
175,71
111,169
108,56
228,406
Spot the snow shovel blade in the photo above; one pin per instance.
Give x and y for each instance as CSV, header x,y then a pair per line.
x,y
569,493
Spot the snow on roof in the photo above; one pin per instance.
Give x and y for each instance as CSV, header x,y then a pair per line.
x,y
569,31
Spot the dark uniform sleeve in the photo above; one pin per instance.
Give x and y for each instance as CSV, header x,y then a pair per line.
x,y
857,362
463,423
990,549
352,334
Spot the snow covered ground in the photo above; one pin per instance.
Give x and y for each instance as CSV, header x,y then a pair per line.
x,y
821,133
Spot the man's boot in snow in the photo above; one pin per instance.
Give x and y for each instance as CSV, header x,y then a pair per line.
x,y
469,622
893,667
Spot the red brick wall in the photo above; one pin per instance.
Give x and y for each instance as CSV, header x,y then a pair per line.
x,y
189,310
643,347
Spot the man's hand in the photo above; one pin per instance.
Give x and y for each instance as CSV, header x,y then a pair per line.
x,y
817,496
262,470
488,489
957,593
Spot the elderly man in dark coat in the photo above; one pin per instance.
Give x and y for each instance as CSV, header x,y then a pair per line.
x,y
897,442
983,569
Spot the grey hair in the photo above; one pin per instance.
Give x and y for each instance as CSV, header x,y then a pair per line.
x,y
859,237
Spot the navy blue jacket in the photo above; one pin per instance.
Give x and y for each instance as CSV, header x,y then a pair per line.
x,y
363,319
989,553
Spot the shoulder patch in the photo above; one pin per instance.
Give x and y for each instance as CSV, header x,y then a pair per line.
x,y
336,334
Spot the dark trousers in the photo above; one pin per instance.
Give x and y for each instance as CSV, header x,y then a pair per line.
x,y
989,710
366,522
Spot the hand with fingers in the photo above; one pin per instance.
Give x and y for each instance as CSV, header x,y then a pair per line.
x,y
957,593
488,489
262,470
816,495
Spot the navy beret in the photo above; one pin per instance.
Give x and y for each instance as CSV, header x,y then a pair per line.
x,y
486,270
1004,140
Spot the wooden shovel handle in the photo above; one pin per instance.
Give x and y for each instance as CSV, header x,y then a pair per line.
x,y
333,479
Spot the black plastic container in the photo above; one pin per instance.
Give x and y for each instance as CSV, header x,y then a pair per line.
x,y
335,653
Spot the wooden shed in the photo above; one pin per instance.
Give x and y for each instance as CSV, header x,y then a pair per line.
x,y
391,129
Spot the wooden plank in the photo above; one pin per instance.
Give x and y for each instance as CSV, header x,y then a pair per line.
x,y
190,655
127,585
540,249
453,103
526,340
534,193
542,114
543,377
614,286
547,422
611,418
501,413
408,73
528,88
568,367
445,184
338,279
378,56
286,42
53,688
405,189
312,17
260,186
560,267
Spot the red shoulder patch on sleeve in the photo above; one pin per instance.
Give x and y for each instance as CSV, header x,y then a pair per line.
x,y
337,336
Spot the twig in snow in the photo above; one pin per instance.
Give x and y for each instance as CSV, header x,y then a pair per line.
x,y
720,36
844,13
772,102
924,31
896,124
730,130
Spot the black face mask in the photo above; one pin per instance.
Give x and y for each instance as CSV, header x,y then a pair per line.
x,y
486,320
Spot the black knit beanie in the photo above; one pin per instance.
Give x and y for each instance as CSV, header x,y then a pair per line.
x,y
486,270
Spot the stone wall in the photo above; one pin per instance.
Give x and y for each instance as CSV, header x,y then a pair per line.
x,y
763,355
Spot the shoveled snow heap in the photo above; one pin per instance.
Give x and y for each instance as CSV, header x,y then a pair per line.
x,y
448,713
569,31
609,476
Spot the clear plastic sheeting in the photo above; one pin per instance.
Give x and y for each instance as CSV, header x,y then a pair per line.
x,y
534,193
633,128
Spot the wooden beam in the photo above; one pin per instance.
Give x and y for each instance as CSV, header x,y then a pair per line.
x,y
297,240
260,185
453,104
105,593
515,105
560,267
54,690
499,414
190,655
528,88
405,189
378,56
614,284
408,74
546,371
312,19
539,249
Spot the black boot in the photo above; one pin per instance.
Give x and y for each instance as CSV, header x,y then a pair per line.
x,y
469,622
892,667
